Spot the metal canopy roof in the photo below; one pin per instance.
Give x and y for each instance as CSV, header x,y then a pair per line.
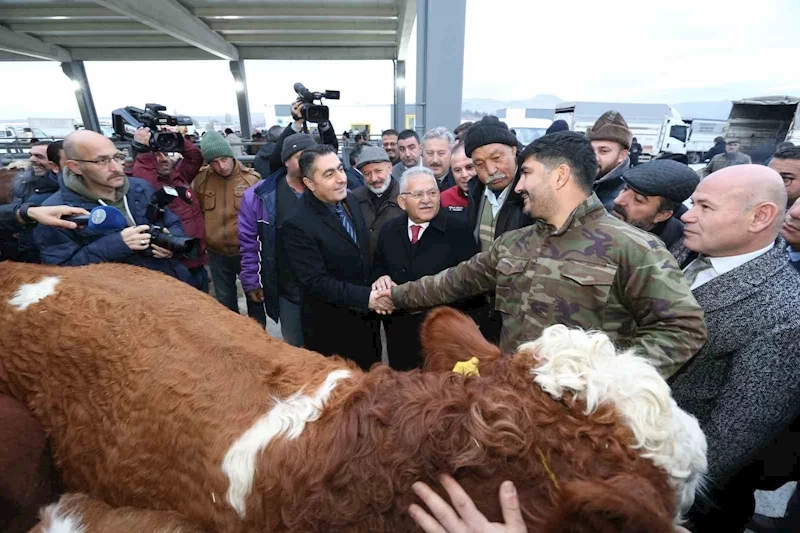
x,y
119,30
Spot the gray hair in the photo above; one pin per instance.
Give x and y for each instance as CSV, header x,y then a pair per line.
x,y
414,171
440,133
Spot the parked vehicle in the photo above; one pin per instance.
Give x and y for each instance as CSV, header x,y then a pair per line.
x,y
763,122
659,128
529,124
700,140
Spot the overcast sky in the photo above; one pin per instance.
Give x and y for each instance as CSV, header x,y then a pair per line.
x,y
670,52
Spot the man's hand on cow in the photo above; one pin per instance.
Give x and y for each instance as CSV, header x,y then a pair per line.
x,y
463,516
383,283
50,215
256,296
136,237
380,304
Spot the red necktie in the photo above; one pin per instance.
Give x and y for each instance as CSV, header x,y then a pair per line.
x,y
415,233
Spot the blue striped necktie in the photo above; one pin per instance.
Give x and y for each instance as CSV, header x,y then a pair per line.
x,y
348,226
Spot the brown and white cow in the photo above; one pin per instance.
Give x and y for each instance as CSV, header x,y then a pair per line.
x,y
159,399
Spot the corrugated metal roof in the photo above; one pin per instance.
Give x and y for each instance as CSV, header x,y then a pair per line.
x,y
114,30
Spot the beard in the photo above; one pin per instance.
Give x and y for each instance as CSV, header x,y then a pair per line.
x,y
381,189
645,224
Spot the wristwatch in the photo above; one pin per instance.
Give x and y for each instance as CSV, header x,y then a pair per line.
x,y
23,214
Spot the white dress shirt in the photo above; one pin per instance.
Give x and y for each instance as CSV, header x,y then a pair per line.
x,y
721,265
495,200
424,226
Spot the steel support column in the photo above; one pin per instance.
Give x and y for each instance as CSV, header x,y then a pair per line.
x,y
240,79
440,63
399,118
83,93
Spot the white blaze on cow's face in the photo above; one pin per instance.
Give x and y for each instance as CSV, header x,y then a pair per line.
x,y
287,418
588,366
31,293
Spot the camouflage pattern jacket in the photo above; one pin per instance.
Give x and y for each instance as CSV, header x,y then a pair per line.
x,y
596,272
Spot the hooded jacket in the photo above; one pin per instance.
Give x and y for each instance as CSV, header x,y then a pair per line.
x,y
86,246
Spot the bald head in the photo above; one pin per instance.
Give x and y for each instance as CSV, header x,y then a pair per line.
x,y
750,185
83,144
737,210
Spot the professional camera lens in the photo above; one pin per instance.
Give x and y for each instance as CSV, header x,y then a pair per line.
x,y
184,246
167,141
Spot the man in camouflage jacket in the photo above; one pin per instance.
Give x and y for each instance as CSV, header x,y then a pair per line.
x,y
576,266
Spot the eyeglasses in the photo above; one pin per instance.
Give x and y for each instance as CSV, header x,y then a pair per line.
x,y
787,180
417,195
104,161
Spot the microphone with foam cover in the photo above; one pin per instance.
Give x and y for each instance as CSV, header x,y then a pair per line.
x,y
102,217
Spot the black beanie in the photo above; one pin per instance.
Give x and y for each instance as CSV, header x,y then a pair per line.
x,y
556,126
297,142
488,130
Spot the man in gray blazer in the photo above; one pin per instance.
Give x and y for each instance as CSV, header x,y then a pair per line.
x,y
744,384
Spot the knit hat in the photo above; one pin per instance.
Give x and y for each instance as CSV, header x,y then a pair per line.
x,y
662,177
214,145
556,126
296,142
488,130
372,154
611,127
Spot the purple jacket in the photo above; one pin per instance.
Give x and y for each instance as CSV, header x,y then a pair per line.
x,y
257,241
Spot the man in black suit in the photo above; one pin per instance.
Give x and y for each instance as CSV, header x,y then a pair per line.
x,y
743,385
327,245
422,242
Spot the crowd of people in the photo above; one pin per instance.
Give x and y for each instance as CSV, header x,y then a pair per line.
x,y
700,275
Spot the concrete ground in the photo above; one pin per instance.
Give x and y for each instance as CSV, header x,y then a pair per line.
x,y
767,503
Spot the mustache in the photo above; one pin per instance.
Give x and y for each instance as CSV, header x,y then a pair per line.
x,y
497,176
621,210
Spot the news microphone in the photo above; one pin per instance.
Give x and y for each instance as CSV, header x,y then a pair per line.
x,y
102,217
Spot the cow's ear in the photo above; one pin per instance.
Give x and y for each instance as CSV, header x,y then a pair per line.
x,y
449,336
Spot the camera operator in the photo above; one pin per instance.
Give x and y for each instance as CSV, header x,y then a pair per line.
x,y
94,176
325,128
158,170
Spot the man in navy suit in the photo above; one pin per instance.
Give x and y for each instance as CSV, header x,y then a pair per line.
x,y
422,242
327,244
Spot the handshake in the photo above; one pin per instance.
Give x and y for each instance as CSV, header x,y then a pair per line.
x,y
380,299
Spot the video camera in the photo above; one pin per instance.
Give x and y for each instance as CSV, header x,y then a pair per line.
x,y
183,246
312,112
127,120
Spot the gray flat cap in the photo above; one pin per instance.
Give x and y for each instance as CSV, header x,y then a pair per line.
x,y
372,154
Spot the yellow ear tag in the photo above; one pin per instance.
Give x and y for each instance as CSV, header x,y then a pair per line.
x,y
467,368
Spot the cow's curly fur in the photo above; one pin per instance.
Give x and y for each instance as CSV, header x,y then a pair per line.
x,y
144,384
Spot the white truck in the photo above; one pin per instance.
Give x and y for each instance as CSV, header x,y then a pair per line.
x,y
54,128
528,123
762,123
659,128
700,140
